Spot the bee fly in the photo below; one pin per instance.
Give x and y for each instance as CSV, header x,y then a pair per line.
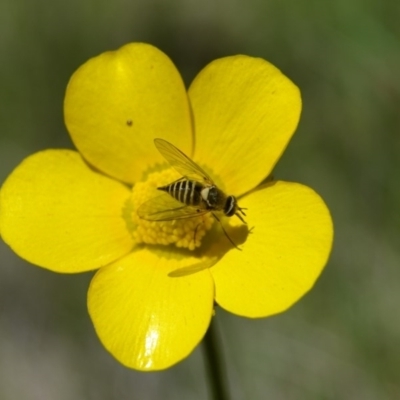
x,y
192,195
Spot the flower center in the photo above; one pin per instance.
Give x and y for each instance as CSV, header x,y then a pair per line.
x,y
184,232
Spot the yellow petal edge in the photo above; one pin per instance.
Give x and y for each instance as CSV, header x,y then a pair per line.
x,y
146,318
57,213
245,112
118,102
289,246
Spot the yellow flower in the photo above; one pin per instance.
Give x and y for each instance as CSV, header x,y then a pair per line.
x,y
151,303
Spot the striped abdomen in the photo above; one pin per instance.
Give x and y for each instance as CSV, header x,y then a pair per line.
x,y
186,191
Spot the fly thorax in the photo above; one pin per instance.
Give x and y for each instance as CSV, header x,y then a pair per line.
x,y
211,195
205,193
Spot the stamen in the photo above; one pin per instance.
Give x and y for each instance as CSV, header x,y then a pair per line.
x,y
183,233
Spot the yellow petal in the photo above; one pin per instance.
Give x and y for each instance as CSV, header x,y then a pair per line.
x,y
57,213
245,112
282,257
146,318
118,102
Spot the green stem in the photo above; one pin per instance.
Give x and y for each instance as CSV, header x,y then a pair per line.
x,y
214,364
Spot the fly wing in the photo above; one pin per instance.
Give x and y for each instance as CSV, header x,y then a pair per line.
x,y
182,163
166,208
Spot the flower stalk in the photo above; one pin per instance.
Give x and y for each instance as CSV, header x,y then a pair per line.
x,y
215,367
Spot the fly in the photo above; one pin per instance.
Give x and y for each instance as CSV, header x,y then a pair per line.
x,y
192,195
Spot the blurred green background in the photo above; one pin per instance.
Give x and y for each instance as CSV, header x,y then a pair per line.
x,y
342,341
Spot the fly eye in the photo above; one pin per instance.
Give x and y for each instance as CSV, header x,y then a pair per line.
x,y
230,206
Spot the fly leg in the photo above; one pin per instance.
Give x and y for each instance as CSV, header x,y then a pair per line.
x,y
195,233
226,233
